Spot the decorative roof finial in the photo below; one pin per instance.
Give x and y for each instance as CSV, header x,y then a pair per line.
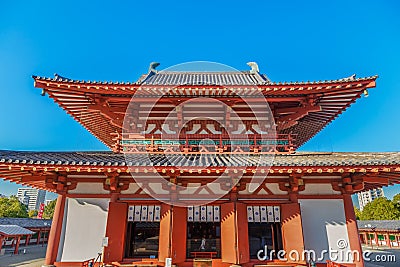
x,y
153,66
254,67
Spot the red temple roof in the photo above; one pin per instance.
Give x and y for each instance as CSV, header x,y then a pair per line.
x,y
32,168
300,108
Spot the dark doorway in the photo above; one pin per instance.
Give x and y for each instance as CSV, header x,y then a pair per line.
x,y
203,240
142,240
263,234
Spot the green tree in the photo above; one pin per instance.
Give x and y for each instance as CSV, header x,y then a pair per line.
x,y
49,210
357,212
32,213
380,209
396,198
12,208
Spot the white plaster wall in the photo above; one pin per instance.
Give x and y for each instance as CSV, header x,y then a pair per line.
x,y
318,189
84,227
324,223
89,188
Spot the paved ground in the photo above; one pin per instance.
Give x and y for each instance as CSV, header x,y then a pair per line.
x,y
382,257
34,257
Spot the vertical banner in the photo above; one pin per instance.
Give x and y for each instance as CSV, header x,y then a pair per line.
x,y
190,214
144,214
270,214
131,211
136,218
196,216
41,210
203,213
263,213
157,212
216,214
250,216
150,213
277,213
256,211
210,214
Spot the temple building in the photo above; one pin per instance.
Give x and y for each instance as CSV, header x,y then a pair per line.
x,y
178,187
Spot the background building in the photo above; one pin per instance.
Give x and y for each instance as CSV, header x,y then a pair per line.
x,y
368,196
31,197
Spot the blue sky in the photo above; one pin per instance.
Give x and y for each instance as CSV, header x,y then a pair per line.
x,y
290,40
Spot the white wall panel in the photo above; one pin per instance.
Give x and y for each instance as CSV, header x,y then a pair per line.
x,y
324,224
84,227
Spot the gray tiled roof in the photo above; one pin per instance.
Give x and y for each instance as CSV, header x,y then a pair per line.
x,y
380,225
117,159
14,230
26,222
205,78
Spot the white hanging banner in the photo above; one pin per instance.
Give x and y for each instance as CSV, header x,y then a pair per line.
x,y
270,213
190,214
216,214
196,216
138,211
263,213
131,211
150,213
256,211
157,212
203,213
250,216
144,214
210,214
277,213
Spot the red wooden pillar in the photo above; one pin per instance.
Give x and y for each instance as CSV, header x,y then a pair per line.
x,y
27,240
228,233
292,228
178,234
55,231
376,239
1,242
115,231
38,237
388,243
17,245
165,230
352,229
234,233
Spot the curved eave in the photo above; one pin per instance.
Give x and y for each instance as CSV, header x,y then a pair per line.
x,y
126,88
32,168
76,98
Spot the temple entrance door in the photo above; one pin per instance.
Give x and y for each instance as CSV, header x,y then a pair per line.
x,y
142,240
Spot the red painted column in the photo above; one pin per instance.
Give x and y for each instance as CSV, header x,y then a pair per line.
x,y
1,242
17,245
115,231
27,240
352,228
376,239
388,243
55,231
38,237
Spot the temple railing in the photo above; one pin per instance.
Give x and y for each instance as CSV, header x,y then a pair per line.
x,y
206,143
